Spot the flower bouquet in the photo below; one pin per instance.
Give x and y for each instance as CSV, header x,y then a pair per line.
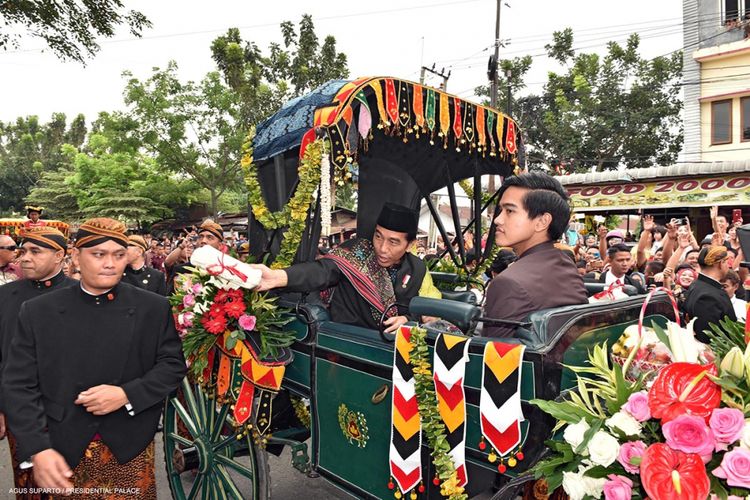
x,y
654,347
215,306
683,435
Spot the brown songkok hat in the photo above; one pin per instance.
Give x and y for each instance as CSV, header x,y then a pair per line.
x,y
47,237
137,240
213,228
398,218
96,231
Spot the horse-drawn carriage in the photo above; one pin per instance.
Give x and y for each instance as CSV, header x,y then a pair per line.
x,y
335,405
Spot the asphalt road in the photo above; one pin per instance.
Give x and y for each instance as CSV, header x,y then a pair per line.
x,y
286,482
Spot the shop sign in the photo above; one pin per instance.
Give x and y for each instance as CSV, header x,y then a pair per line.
x,y
691,192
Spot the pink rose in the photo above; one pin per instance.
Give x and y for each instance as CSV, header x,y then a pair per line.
x,y
618,488
735,468
628,451
247,322
197,289
637,406
188,300
727,425
690,434
714,496
186,319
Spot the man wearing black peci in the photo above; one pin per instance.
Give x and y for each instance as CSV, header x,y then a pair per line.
x,y
87,372
41,256
137,273
361,278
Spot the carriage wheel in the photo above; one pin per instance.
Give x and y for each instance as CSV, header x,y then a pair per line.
x,y
211,461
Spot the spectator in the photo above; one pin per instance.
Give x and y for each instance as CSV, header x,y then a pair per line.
x,y
706,301
731,285
9,270
581,266
621,262
504,258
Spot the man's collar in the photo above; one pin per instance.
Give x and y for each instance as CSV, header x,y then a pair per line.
x,y
537,248
49,282
711,281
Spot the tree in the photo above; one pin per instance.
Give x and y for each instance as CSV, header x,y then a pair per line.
x,y
68,28
608,111
29,148
291,69
192,129
518,67
100,181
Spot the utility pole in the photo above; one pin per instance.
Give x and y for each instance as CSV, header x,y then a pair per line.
x,y
442,74
509,109
494,61
493,83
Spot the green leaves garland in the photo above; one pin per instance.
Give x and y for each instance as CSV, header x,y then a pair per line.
x,y
432,424
294,214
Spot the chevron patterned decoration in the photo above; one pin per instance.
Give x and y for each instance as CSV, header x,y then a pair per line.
x,y
500,400
406,439
451,356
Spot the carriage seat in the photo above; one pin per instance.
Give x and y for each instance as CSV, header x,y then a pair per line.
x,y
548,325
460,313
462,296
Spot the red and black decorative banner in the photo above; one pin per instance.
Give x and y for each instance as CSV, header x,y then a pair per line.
x,y
391,101
405,455
458,128
510,138
500,400
451,356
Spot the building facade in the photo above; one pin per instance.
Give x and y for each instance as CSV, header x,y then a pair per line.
x,y
716,80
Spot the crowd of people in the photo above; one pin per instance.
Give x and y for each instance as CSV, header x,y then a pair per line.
x,y
101,296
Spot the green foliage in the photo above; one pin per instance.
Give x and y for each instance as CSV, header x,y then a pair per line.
x,y
294,67
28,149
70,29
100,182
726,335
610,110
191,128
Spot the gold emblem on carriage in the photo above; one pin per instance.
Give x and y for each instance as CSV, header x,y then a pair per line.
x,y
354,426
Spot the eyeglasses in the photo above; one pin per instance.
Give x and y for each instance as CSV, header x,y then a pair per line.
x,y
9,248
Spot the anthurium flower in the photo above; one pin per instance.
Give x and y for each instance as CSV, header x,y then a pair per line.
x,y
684,388
668,474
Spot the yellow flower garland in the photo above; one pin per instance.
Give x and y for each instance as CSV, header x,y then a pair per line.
x,y
294,214
432,423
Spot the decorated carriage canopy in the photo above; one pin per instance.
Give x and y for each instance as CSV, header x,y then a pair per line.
x,y
377,122
13,227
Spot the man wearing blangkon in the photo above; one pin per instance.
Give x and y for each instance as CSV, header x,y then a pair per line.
x,y
534,213
363,278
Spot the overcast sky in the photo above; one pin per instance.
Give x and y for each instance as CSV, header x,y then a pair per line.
x,y
388,37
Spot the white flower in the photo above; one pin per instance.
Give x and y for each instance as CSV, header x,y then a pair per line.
x,y
603,449
594,487
574,485
625,423
577,485
682,342
745,438
573,433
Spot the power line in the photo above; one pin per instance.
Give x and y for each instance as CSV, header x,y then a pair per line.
x,y
265,25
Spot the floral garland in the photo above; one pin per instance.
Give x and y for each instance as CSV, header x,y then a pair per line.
x,y
301,411
432,424
325,192
294,214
